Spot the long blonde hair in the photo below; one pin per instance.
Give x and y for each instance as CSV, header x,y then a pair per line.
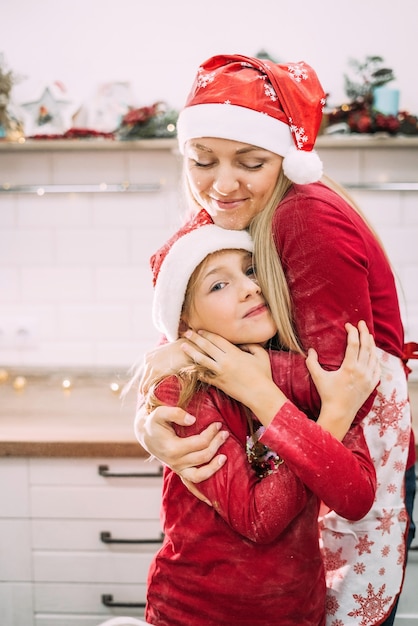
x,y
270,276
269,269
189,376
270,273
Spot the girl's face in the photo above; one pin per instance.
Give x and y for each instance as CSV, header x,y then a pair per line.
x,y
227,300
233,181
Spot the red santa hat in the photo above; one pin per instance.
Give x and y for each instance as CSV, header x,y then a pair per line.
x,y
274,106
173,264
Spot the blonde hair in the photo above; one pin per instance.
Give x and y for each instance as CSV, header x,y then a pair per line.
x,y
270,276
188,377
269,269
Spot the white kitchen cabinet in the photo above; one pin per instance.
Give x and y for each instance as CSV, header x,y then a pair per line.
x,y
15,549
84,533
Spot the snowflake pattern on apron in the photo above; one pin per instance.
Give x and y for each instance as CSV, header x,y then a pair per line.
x,y
364,560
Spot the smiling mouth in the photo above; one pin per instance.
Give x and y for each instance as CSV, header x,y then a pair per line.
x,y
256,310
228,205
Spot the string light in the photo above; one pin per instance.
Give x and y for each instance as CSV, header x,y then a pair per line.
x,y
114,387
66,384
19,383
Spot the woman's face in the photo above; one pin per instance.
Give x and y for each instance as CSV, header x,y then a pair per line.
x,y
233,181
227,300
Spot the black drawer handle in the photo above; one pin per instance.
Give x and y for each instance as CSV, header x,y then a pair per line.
x,y
104,471
107,600
106,537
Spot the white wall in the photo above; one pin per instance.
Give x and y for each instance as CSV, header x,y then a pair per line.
x,y
157,46
74,266
93,311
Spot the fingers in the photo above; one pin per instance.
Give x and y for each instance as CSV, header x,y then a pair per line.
x,y
165,415
360,342
353,343
200,450
197,475
367,357
195,491
312,363
204,347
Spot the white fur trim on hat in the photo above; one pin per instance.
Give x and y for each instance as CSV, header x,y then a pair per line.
x,y
302,167
238,123
179,264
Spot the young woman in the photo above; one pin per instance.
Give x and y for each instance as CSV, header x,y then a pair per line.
x,y
247,133
252,557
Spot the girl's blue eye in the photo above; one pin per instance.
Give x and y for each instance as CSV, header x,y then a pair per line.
x,y
217,286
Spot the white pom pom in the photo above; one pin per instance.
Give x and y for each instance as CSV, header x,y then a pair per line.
x,y
302,167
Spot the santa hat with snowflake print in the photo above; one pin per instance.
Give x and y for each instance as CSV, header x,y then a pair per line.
x,y
273,106
174,263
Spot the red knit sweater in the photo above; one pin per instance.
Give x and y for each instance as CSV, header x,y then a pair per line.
x,y
336,273
253,559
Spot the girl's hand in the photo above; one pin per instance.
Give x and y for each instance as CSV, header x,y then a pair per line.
x,y
345,390
244,372
237,371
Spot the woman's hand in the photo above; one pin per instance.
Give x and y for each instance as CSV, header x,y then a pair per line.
x,y
184,456
345,390
160,361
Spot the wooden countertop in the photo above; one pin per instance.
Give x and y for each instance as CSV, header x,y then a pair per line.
x,y
89,420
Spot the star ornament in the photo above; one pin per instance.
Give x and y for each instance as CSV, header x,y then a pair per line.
x,y
49,111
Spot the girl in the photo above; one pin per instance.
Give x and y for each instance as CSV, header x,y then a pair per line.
x,y
252,558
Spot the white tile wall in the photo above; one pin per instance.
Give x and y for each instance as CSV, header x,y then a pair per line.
x,y
76,264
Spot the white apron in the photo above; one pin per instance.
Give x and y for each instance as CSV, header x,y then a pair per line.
x,y
364,560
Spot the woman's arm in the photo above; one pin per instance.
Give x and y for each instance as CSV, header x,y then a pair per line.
x,y
194,458
337,273
257,511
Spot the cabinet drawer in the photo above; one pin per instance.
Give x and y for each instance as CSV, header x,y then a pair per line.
x,y
123,502
87,598
87,472
88,567
67,535
14,487
16,604
61,619
15,551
